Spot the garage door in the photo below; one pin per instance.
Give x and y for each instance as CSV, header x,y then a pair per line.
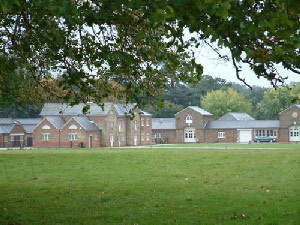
x,y
245,136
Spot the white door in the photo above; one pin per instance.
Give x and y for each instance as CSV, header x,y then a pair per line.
x,y
245,135
90,141
135,139
111,140
190,134
294,134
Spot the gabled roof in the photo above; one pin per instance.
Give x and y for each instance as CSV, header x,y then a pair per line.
x,y
144,113
59,109
163,124
56,121
124,109
29,128
197,109
242,124
297,105
6,128
29,121
86,123
236,116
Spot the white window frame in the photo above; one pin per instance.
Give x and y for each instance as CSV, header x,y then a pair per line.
x,y
96,137
46,137
73,136
221,134
135,125
120,125
142,137
147,137
158,135
142,122
112,124
189,119
147,123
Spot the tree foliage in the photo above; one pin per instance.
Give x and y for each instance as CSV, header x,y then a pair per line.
x,y
277,100
124,42
168,110
221,102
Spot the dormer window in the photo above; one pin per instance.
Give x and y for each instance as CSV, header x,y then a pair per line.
x,y
189,119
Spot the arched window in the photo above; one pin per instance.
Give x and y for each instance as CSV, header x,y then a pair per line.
x,y
189,119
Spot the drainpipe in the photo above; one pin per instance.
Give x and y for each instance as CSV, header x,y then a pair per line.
x,y
141,130
58,138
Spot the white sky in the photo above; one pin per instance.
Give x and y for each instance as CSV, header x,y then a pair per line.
x,y
217,68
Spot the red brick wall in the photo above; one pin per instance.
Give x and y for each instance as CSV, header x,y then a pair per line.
x,y
54,136
146,130
211,136
283,135
83,136
168,135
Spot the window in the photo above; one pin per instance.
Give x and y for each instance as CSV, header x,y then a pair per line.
x,y
135,125
96,137
112,124
123,138
120,125
189,119
73,137
191,134
45,137
142,137
142,122
147,137
73,127
46,127
5,138
147,122
112,112
158,135
221,135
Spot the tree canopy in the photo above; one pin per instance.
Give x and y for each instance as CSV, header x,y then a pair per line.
x,y
221,102
275,101
91,45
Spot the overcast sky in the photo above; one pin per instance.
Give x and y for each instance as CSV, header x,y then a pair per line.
x,y
218,68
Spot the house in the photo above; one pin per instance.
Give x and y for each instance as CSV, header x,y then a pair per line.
x,y
194,124
111,125
187,126
17,132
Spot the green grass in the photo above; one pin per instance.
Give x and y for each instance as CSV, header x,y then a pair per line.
x,y
151,186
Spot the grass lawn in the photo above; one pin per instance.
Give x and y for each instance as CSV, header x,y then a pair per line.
x,y
151,186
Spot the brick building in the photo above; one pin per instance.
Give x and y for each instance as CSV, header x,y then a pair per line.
x,y
194,124
15,133
112,125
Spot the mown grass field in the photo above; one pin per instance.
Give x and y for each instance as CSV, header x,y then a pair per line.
x,y
151,186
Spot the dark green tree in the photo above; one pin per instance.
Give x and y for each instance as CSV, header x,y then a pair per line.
x,y
125,41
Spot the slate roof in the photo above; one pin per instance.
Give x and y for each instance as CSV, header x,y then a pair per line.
x,y
59,109
145,113
124,109
242,124
197,109
236,116
29,121
6,121
163,123
29,128
56,121
86,123
6,128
